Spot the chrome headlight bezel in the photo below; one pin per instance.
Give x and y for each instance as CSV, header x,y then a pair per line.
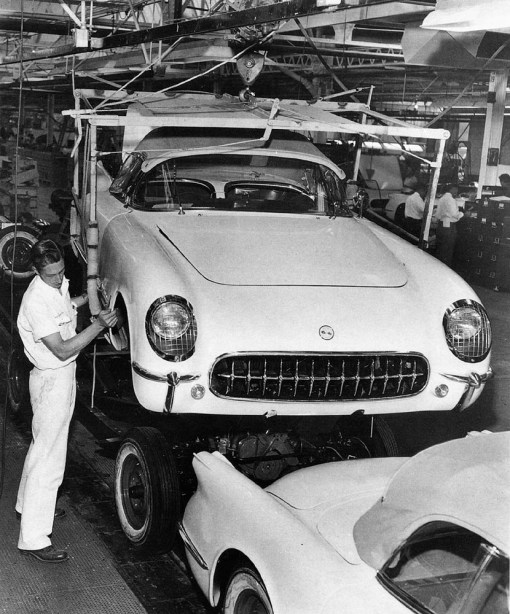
x,y
467,330
177,345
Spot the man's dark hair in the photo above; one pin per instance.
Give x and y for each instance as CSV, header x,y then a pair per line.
x,y
504,178
45,252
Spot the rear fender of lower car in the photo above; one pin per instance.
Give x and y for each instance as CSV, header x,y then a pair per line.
x,y
248,520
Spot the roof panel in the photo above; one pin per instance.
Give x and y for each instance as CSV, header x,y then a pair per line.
x,y
464,481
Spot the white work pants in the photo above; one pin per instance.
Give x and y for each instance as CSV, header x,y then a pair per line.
x,y
52,394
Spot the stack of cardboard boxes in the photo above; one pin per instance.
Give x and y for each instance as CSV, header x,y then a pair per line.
x,y
482,254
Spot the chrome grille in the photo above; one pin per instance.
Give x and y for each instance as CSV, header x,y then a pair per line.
x,y
319,377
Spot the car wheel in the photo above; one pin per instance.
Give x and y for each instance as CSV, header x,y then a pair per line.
x,y
15,248
147,493
246,594
384,442
365,437
18,374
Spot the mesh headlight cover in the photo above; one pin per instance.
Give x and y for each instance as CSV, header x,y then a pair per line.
x,y
467,330
171,328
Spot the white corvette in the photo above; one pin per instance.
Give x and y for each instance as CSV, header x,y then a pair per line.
x,y
249,287
427,534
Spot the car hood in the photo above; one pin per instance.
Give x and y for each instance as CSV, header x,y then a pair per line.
x,y
279,250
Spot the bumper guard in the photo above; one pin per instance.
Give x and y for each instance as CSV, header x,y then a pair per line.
x,y
473,381
172,379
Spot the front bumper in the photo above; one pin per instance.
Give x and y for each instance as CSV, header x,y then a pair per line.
x,y
472,383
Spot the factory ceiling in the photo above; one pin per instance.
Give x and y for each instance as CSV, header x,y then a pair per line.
x,y
407,57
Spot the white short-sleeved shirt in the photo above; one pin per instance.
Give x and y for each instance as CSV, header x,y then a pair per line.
x,y
46,310
447,210
415,206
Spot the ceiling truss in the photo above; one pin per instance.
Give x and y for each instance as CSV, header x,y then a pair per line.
x,y
356,43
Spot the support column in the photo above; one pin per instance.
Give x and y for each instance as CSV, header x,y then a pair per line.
x,y
493,132
50,119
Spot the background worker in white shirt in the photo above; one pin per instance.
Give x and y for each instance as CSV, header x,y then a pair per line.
x,y
447,215
414,210
47,326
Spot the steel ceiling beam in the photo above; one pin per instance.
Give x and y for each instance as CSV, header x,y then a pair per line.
x,y
45,23
169,32
219,21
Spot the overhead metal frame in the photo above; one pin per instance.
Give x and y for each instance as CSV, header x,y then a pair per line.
x,y
265,114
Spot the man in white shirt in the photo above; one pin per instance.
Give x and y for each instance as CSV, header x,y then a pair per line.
x,y
447,215
414,210
47,326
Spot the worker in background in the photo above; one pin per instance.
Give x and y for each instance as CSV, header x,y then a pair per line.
x,y
447,214
414,210
504,180
47,326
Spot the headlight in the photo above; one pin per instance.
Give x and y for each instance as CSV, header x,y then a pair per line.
x,y
171,328
170,320
467,330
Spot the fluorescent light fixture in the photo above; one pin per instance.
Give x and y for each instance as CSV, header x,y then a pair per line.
x,y
321,3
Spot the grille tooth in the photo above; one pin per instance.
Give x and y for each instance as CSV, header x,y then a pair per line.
x,y
342,381
372,377
327,378
413,379
399,376
357,379
264,378
296,377
280,378
232,377
312,380
319,377
248,379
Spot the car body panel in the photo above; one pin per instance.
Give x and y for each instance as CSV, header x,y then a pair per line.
x,y
134,255
305,548
243,250
478,463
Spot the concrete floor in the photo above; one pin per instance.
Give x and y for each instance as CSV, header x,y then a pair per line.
x,y
106,574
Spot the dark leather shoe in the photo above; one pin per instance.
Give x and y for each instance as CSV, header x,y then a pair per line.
x,y
59,513
47,555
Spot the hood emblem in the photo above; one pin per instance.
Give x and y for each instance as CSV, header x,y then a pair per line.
x,y
326,332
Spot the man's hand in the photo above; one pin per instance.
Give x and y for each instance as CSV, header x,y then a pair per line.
x,y
107,318
72,347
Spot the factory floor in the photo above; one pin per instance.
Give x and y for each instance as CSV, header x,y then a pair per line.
x,y
105,573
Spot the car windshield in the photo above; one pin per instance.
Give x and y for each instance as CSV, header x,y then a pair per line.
x,y
241,183
445,569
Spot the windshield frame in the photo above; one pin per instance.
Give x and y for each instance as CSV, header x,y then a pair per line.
x,y
316,174
392,574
